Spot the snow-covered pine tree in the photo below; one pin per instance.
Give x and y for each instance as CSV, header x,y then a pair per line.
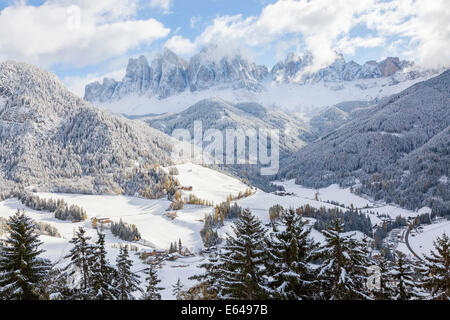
x,y
126,281
289,254
177,289
103,274
361,260
402,274
21,268
436,272
384,292
81,262
54,285
341,271
210,278
152,290
241,261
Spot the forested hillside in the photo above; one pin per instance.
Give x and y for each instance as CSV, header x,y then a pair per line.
x,y
398,150
51,138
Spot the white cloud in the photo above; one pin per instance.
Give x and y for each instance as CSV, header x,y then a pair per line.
x,y
165,5
348,45
181,45
422,25
319,23
325,26
75,33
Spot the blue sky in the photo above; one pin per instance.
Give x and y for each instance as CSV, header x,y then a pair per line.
x,y
84,40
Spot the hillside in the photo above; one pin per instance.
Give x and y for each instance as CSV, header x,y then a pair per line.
x,y
398,150
219,114
53,139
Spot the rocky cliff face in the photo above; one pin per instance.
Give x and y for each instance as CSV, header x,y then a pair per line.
x,y
170,74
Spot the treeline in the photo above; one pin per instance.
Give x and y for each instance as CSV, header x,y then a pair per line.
x,y
59,207
352,219
287,264
223,211
125,231
24,275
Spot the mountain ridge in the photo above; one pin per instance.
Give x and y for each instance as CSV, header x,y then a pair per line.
x,y
379,147
50,137
169,75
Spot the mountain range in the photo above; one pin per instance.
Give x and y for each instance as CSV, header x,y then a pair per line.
x,y
170,79
396,150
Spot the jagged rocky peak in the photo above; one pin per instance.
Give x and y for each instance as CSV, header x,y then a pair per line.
x,y
217,67
389,66
138,74
214,65
294,69
169,74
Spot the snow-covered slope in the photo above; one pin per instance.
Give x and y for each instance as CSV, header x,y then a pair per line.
x,y
397,149
422,242
208,184
221,115
159,231
47,135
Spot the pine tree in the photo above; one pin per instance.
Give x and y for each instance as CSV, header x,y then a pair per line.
x,y
403,275
81,261
54,286
436,272
152,291
21,268
343,267
241,261
126,281
177,289
289,253
103,274
210,278
384,291
179,246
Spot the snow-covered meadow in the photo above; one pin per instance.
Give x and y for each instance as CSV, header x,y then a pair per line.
x,y
159,231
422,243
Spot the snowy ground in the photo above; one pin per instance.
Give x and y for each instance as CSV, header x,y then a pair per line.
x,y
159,230
422,242
208,184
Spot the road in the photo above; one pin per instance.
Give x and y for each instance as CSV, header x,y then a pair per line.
x,y
408,246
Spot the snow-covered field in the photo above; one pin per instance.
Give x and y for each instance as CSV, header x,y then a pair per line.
x,y
159,230
208,184
422,242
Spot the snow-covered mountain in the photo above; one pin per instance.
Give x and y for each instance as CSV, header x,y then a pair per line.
x,y
397,150
221,115
169,74
49,136
296,69
171,84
